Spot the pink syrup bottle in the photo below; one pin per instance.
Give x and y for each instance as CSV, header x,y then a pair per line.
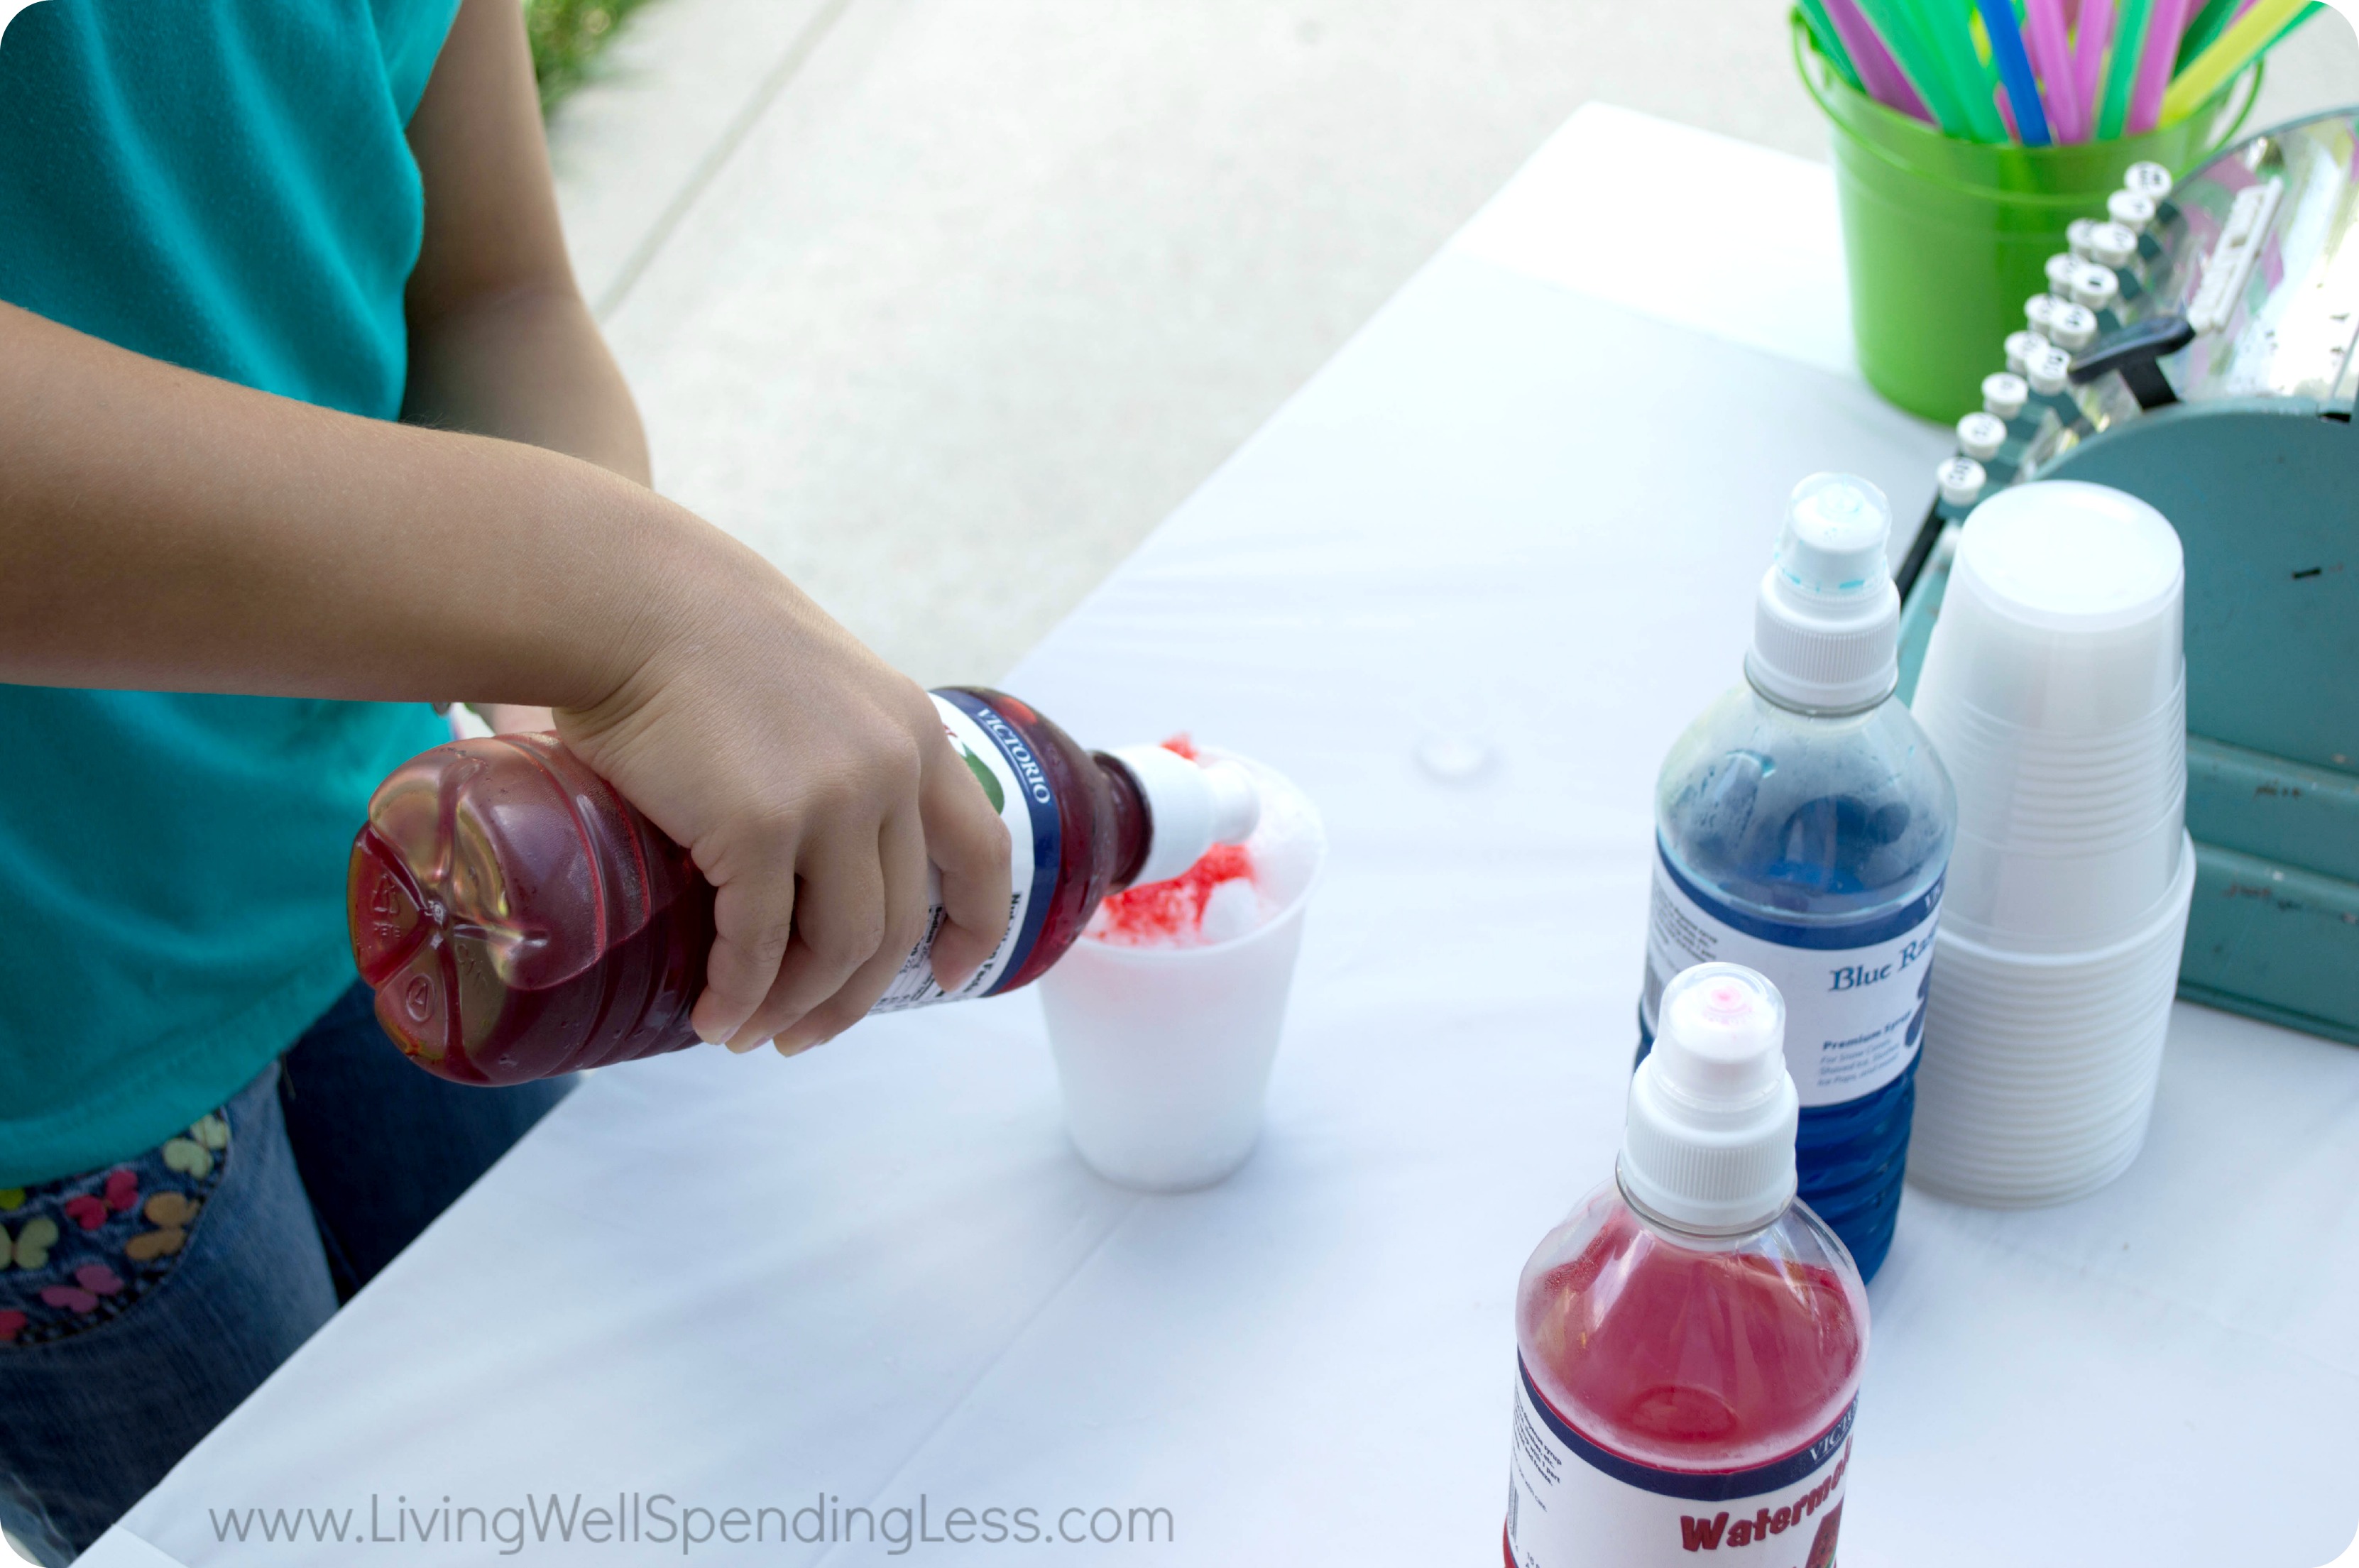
x,y
519,919
1690,1341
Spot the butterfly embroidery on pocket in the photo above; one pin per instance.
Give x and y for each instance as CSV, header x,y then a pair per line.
x,y
91,1282
51,1287
29,1248
172,1214
192,1156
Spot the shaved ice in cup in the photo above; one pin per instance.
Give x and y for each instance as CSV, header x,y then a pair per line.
x,y
1165,1017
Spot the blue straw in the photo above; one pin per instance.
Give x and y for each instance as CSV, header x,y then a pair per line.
x,y
2015,69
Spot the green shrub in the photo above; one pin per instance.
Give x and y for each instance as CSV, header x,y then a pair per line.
x,y
566,37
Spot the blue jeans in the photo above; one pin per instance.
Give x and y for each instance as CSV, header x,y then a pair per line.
x,y
332,1159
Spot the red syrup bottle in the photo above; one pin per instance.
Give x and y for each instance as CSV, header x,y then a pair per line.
x,y
1690,1341
519,919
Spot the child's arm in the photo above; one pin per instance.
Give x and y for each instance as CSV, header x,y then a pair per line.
x,y
161,529
500,341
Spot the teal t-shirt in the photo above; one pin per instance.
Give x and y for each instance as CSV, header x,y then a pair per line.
x,y
224,184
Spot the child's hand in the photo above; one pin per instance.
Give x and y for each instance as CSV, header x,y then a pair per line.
x,y
513,718
813,784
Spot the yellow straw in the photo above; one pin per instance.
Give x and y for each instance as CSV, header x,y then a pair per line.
x,y
2229,54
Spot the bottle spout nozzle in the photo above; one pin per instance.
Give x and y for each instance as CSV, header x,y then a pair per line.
x,y
1190,806
1236,803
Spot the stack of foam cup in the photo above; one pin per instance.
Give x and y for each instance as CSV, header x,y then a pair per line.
x,y
2056,693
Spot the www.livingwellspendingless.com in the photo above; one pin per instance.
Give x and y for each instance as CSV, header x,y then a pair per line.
x,y
639,1520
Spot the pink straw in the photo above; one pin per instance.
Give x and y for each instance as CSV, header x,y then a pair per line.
x,y
2096,36
2163,31
1878,71
2053,56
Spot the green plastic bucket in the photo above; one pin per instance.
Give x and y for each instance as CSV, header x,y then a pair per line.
x,y
1946,239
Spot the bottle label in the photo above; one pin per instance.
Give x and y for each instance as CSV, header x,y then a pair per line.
x,y
1571,1504
1855,992
1003,763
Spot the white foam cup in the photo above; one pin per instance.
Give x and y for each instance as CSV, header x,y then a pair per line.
x,y
2042,786
1164,1054
2067,596
2054,687
2040,1069
2061,902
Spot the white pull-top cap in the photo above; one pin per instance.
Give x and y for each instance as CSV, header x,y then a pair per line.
x,y
2048,370
2004,393
2074,327
2094,286
2116,243
2151,180
2133,210
2060,269
2076,236
2020,346
1980,435
2039,313
1190,806
1826,623
1708,1143
1960,480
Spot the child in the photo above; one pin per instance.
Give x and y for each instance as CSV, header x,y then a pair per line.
x,y
303,426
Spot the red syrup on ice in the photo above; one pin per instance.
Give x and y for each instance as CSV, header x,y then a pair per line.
x,y
1691,1340
1160,914
1171,912
519,919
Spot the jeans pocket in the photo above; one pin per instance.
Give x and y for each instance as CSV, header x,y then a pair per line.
x,y
173,1284
78,1253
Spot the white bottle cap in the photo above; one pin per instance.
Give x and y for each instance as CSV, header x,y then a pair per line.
x,y
1707,1142
2133,210
2076,236
2004,393
1960,480
2074,327
2020,347
1190,806
2096,287
1826,623
1980,435
2048,370
2039,313
2060,269
2114,243
2150,180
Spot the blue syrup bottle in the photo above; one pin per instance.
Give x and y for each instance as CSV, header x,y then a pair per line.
x,y
1803,828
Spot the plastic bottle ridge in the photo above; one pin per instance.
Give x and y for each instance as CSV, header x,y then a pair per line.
x,y
519,919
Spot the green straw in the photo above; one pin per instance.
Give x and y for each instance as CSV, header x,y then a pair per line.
x,y
2201,28
2238,45
2312,9
2213,20
2121,71
1957,97
1953,48
1822,33
1898,27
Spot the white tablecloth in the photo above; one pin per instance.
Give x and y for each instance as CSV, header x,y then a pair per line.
x,y
1537,489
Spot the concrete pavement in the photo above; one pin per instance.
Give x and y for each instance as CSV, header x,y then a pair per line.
x,y
943,304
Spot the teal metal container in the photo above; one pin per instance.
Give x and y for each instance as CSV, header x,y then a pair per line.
x,y
2257,465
